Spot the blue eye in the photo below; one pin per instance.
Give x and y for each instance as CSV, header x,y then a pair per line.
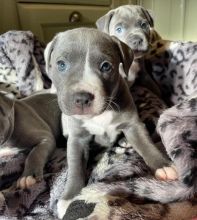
x,y
62,66
144,25
105,67
119,30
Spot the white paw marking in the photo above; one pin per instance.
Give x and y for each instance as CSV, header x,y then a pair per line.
x,y
62,205
166,173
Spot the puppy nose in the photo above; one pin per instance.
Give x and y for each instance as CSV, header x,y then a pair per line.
x,y
136,40
83,99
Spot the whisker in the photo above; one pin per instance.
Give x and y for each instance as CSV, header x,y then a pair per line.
x,y
109,101
118,108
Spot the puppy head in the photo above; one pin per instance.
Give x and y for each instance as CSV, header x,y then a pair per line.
x,y
6,116
132,24
83,65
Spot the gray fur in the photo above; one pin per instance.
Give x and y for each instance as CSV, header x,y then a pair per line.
x,y
83,50
31,124
22,66
135,22
131,18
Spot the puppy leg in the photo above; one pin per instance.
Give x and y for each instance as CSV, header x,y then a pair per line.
x,y
77,157
138,137
35,162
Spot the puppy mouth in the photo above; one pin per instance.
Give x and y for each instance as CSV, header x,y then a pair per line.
x,y
139,49
138,43
82,104
87,112
83,111
78,110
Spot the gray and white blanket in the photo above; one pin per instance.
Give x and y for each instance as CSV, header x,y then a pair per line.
x,y
22,66
112,173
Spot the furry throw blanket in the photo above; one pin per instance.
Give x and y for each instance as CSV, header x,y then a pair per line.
x,y
22,66
120,185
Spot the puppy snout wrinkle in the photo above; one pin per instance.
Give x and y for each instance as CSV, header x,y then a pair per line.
x,y
83,99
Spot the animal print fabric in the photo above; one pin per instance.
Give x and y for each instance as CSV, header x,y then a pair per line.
x,y
109,193
120,185
173,65
177,127
22,66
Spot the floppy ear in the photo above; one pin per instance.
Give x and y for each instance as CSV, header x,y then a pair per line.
x,y
103,22
47,53
154,36
148,16
126,54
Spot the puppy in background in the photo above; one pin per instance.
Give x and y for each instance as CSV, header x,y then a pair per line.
x,y
133,25
168,68
95,101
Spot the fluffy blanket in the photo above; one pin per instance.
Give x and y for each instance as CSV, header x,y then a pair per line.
x,y
22,66
173,65
120,185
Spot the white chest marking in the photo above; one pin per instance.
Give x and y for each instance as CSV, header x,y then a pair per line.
x,y
102,125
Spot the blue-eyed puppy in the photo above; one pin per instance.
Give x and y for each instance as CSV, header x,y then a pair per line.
x,y
95,100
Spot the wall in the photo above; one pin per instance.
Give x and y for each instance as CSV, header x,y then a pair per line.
x,y
8,15
174,19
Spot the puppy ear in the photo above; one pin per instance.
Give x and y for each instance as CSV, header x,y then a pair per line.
x,y
148,16
126,54
154,36
103,22
47,53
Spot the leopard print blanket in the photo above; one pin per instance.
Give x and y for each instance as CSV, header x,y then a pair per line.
x,y
120,185
22,66
113,174
173,66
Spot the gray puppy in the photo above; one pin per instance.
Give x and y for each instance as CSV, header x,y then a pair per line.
x,y
83,65
32,124
133,25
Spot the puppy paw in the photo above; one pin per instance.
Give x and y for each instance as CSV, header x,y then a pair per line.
x,y
26,182
166,173
62,206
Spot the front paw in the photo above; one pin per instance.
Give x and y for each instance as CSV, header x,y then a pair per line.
x,y
26,182
73,187
71,190
29,178
167,173
62,206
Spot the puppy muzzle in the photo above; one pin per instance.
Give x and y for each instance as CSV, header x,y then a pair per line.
x,y
83,100
82,103
138,43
